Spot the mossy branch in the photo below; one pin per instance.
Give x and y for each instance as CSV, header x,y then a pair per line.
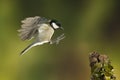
x,y
101,68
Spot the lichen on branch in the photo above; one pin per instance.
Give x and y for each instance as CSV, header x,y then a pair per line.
x,y
101,68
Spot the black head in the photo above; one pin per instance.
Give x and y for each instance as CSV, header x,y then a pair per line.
x,y
55,24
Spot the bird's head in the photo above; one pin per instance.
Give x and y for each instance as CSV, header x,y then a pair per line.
x,y
55,24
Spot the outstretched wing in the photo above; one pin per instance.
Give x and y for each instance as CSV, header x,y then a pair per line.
x,y
29,27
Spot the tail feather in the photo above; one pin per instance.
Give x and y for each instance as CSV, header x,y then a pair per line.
x,y
32,45
26,49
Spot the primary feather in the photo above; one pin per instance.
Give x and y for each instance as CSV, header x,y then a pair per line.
x,y
29,27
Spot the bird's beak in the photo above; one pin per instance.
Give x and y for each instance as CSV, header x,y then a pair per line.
x,y
62,28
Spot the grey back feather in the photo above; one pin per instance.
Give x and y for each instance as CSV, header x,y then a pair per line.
x,y
29,27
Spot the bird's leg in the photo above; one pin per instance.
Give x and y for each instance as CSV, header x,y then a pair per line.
x,y
58,39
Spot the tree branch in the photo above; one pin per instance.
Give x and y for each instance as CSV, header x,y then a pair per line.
x,y
101,68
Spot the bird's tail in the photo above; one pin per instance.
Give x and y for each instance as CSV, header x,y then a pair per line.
x,y
32,45
27,48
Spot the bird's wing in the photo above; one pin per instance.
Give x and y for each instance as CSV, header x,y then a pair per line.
x,y
29,27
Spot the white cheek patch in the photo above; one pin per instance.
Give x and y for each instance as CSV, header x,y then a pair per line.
x,y
55,26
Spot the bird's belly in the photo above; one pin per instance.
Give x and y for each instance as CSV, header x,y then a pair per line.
x,y
46,35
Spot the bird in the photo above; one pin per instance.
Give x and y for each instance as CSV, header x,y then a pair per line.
x,y
40,28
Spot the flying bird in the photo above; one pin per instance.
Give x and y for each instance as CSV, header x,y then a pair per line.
x,y
41,29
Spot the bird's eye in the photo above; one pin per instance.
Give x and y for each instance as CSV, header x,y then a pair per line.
x,y
58,23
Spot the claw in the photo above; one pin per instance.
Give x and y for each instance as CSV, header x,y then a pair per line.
x,y
58,39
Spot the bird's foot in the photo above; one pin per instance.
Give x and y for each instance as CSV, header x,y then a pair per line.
x,y
58,39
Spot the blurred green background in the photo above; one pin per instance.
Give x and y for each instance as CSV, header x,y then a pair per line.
x,y
90,25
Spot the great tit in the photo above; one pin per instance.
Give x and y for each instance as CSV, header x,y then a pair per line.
x,y
41,29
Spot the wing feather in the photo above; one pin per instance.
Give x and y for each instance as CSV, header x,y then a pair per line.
x,y
29,27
